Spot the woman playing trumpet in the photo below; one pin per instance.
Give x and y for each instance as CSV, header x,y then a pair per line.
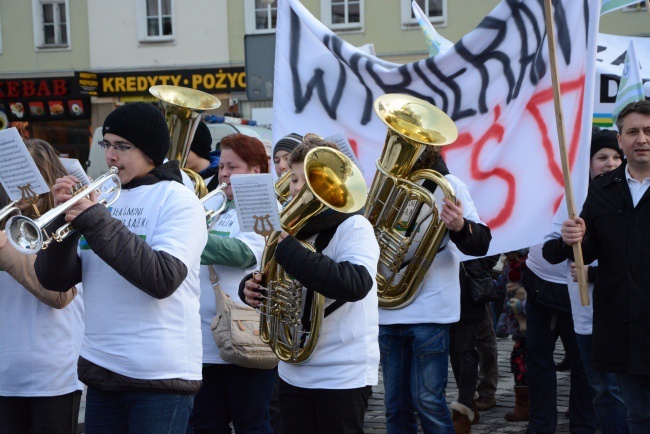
x,y
40,331
231,393
139,264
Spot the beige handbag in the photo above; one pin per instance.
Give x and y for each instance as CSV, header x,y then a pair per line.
x,y
236,331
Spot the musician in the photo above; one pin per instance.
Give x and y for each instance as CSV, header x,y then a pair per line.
x,y
231,393
40,330
282,150
139,264
329,392
200,159
414,340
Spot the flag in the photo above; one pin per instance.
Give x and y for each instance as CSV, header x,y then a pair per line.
x,y
435,42
495,83
630,88
613,5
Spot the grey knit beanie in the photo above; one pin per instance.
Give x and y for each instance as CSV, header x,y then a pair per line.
x,y
143,125
288,143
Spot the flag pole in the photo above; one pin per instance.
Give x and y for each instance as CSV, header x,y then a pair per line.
x,y
559,118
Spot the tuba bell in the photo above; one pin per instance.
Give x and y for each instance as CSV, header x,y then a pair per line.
x,y
404,213
332,181
183,108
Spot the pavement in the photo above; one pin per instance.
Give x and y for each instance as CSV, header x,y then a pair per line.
x,y
492,421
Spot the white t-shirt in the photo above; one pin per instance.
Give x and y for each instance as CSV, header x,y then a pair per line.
x,y
583,316
226,226
128,331
438,300
39,345
347,354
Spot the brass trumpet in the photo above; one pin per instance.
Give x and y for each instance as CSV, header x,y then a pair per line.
x,y
10,209
29,236
211,215
282,187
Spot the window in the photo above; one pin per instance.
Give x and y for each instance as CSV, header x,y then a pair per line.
x,y
261,16
156,20
342,14
436,10
640,6
51,24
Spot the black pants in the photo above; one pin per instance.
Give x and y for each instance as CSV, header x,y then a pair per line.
x,y
323,411
464,360
42,415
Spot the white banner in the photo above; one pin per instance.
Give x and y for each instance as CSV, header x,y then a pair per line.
x,y
496,85
609,67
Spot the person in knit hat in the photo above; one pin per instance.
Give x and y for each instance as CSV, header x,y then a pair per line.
x,y
606,155
201,159
139,262
282,150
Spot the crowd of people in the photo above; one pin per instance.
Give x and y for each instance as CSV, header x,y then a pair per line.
x,y
125,305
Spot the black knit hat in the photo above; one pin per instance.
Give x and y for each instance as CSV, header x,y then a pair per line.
x,y
143,125
288,143
202,141
605,139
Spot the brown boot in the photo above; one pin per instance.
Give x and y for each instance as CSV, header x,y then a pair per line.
x,y
520,411
462,417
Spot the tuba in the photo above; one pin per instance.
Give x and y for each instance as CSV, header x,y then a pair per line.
x,y
398,206
332,181
183,108
29,236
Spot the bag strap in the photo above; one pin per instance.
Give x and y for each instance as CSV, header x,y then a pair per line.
x,y
219,295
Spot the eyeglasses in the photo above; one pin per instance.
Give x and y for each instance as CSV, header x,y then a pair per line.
x,y
117,147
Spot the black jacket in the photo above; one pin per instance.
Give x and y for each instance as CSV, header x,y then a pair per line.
x,y
471,311
618,235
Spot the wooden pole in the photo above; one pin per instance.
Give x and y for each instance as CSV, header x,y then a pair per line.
x,y
566,171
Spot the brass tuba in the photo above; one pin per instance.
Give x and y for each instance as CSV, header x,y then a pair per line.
x,y
398,206
332,181
183,108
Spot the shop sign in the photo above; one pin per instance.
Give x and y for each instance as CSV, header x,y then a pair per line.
x,y
123,84
36,99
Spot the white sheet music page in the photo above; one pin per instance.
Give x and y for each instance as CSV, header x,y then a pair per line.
x,y
19,175
257,207
344,146
73,167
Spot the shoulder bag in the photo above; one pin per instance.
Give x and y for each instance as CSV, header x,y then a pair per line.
x,y
236,331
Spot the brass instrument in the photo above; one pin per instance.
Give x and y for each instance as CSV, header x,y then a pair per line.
x,y
10,209
211,215
282,187
398,207
183,108
333,181
29,236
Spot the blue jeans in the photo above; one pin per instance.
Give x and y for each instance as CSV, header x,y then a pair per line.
x,y
232,393
636,394
608,402
136,412
544,325
415,360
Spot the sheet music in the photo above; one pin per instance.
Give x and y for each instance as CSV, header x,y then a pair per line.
x,y
73,167
19,175
256,203
344,146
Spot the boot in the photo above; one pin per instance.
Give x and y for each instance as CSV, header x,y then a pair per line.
x,y
462,418
520,411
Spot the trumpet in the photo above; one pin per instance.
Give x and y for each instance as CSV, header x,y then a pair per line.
x,y
11,208
211,215
29,236
282,187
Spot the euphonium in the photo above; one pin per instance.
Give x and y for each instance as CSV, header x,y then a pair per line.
x,y
332,181
398,206
29,236
183,108
282,187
